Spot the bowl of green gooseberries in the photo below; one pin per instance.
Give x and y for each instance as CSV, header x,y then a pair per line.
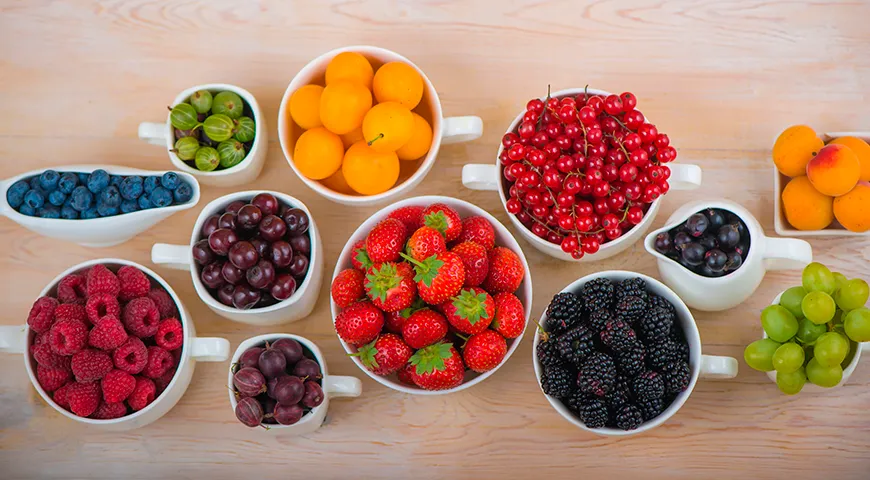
x,y
813,333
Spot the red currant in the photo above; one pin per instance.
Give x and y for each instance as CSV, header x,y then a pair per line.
x,y
596,103
647,132
553,130
639,158
552,178
613,105
527,129
564,142
536,157
565,163
548,117
601,189
552,151
567,101
662,141
635,215
616,156
629,101
664,187
613,233
540,139
535,105
653,192
540,211
655,173
594,135
627,173
503,156
616,200
667,154
572,185
524,218
599,150
565,200
513,206
583,208
530,117
590,245
573,130
584,224
509,139
586,115
569,243
633,119
539,230
579,161
609,125
554,237
566,223
610,172
517,152
552,103
601,206
577,254
567,113
666,173
593,175
586,189
531,179
594,162
609,221
631,142
633,191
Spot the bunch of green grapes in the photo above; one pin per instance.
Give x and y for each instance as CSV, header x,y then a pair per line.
x,y
810,332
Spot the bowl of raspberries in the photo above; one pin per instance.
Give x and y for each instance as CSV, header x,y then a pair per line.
x,y
619,353
431,295
108,343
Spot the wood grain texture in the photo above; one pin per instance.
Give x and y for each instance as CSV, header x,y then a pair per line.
x,y
722,78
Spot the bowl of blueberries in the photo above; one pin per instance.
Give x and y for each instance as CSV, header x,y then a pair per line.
x,y
95,205
713,254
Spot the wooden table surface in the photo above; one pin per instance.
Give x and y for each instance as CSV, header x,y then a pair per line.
x,y
722,78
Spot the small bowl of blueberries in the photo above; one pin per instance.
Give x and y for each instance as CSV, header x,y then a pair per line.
x,y
713,254
95,205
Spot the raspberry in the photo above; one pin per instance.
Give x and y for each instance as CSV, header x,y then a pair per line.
x,y
109,334
101,280
67,337
170,334
108,411
117,385
164,302
41,314
50,379
134,283
90,365
44,356
143,394
84,398
101,305
71,289
60,396
141,317
159,361
40,338
131,357
161,382
70,311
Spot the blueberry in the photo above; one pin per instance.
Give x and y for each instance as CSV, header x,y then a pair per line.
x,y
116,180
83,177
15,194
49,211
145,202
69,213
34,198
169,180
68,181
98,181
107,210
110,197
82,198
129,206
150,184
183,193
161,197
131,188
48,180
27,210
57,198
90,213
35,184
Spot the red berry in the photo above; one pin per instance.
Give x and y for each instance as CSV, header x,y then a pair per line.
x,y
573,130
423,328
90,365
484,351
540,139
117,385
647,132
50,379
44,356
613,105
131,356
143,394
411,216
42,314
347,287
359,323
72,289
141,317
616,200
553,130
506,271
70,311
101,305
535,105
667,154
662,141
165,304
108,411
159,362
627,173
609,221
530,116
84,398
601,206
474,260
569,244
442,218
170,334
635,215
526,129
513,206
133,283
101,280
509,139
385,240
477,229
596,103
67,337
577,254
567,113
594,136
108,335
61,396
590,245
601,189
613,233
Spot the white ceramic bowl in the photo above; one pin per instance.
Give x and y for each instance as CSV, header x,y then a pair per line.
x,y
334,386
503,238
703,366
17,339
96,232
298,306
489,177
245,172
444,130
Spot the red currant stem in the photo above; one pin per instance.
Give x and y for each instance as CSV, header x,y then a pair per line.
x,y
541,117
622,147
586,141
534,218
370,142
619,122
586,92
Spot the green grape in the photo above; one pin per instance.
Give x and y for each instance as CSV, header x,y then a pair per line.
x,y
788,358
817,278
824,376
791,300
791,383
819,307
759,354
779,324
808,331
857,324
830,349
852,294
839,279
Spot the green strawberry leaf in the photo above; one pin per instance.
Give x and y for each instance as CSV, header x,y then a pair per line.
x,y
362,257
431,358
438,221
470,306
366,355
382,280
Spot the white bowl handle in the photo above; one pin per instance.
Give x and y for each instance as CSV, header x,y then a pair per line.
x,y
714,366
341,386
480,176
461,129
13,338
210,349
173,256
152,133
786,253
684,176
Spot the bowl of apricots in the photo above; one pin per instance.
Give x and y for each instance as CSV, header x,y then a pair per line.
x,y
363,125
822,183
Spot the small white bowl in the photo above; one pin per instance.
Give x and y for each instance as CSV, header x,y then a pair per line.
x,y
96,232
503,238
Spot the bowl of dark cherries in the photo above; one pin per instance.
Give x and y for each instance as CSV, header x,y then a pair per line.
x,y
711,243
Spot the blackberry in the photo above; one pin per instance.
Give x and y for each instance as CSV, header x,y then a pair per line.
x,y
558,381
677,376
657,301
618,335
679,339
662,353
630,362
598,319
656,325
628,418
598,295
575,345
651,409
619,395
682,351
632,287
563,312
597,374
630,308
548,354
648,385
591,410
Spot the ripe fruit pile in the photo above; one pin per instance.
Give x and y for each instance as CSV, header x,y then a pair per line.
x,y
276,383
107,344
614,354
255,254
212,132
810,333
429,296
827,181
352,143
711,243
582,171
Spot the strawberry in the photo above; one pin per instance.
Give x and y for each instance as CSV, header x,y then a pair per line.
x,y
359,257
475,261
437,367
405,375
510,317
444,219
423,328
471,311
385,355
484,351
478,230
425,242
384,242
411,216
347,287
359,323
438,277
391,286
506,271
393,321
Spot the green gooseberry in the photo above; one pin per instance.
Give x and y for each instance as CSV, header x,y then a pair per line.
x,y
229,104
219,127
232,152
246,130
207,159
186,148
183,116
201,101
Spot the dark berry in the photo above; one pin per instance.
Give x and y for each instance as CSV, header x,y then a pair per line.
x,y
656,325
591,410
681,239
715,260
734,261
597,374
558,381
575,345
728,236
548,354
618,335
630,362
693,254
631,287
660,354
663,242
657,301
716,218
563,313
630,308
598,319
697,224
629,418
709,242
620,394
677,377
650,409
648,385
598,294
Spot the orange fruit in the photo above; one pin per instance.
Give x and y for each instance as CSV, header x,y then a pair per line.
x,y
388,126
398,82
318,153
337,183
305,106
804,207
420,141
368,171
861,149
343,106
794,148
349,139
350,66
835,170
853,209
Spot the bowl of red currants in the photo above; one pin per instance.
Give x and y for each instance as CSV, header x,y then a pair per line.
x,y
581,173
254,257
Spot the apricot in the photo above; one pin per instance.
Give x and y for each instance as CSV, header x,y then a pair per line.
x,y
349,139
853,209
861,149
305,106
368,171
350,66
398,82
834,171
420,141
388,126
343,105
794,148
337,182
804,207
318,153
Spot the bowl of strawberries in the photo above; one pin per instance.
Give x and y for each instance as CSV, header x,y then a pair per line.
x,y
431,295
